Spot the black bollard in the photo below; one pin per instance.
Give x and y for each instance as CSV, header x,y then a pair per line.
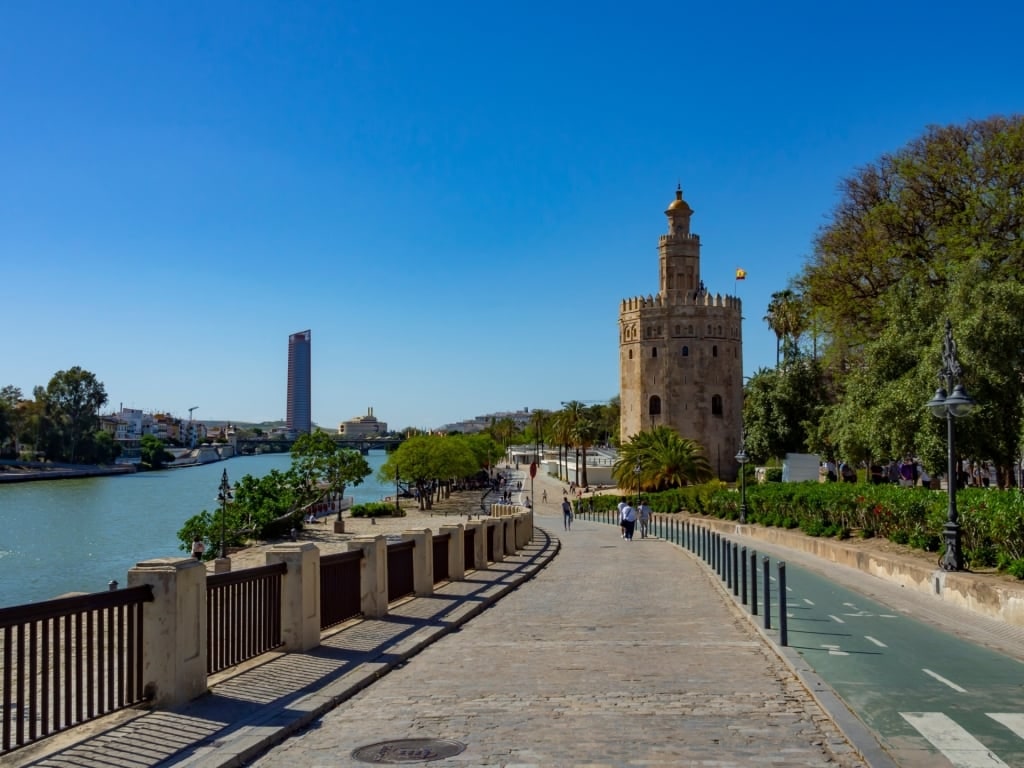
x,y
735,570
743,575
767,594
726,571
753,582
783,627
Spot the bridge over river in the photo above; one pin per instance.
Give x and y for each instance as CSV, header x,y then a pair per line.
x,y
364,445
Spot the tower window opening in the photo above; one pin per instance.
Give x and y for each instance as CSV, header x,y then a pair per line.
x,y
654,406
716,405
686,351
714,350
654,351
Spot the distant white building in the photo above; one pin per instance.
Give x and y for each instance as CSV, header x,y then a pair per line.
x,y
362,426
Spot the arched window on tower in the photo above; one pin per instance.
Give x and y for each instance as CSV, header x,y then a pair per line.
x,y
631,354
714,350
654,406
654,351
716,405
686,351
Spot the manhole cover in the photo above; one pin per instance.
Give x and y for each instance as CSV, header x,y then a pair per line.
x,y
405,751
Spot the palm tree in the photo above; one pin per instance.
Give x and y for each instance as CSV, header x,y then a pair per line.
x,y
560,430
576,413
666,460
538,420
787,317
584,433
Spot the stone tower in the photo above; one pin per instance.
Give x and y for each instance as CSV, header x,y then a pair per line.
x,y
681,352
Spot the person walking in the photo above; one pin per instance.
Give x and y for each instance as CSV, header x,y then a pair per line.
x,y
566,513
644,517
198,548
544,496
628,522
622,519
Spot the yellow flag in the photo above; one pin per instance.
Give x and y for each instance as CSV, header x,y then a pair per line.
x,y
741,274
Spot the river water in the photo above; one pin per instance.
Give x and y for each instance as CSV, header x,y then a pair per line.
x,y
64,536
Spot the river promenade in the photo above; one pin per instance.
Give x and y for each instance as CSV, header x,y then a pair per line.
x,y
581,650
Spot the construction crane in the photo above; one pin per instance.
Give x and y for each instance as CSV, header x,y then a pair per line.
x,y
192,435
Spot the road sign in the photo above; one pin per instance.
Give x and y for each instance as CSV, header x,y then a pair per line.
x,y
533,469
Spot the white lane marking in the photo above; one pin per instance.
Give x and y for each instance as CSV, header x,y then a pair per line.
x,y
833,650
808,601
956,744
879,643
888,616
836,618
850,605
858,613
1012,720
944,681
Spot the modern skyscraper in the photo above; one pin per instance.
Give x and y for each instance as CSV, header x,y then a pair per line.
x,y
300,408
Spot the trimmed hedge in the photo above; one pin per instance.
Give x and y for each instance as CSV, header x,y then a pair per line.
x,y
991,521
376,509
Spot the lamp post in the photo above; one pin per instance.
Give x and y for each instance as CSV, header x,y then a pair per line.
x,y
636,471
223,496
398,508
742,458
951,401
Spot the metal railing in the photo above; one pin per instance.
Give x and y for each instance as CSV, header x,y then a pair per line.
x,y
243,615
441,544
340,587
400,573
469,549
68,661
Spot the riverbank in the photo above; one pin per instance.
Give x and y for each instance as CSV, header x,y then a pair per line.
x,y
27,471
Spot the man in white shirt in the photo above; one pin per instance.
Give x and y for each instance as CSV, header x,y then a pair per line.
x,y
622,520
628,522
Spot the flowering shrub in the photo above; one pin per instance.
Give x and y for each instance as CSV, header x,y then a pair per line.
x,y
991,521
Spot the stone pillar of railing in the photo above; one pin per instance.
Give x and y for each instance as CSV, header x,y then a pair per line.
x,y
173,629
300,594
520,526
456,551
373,575
480,533
510,534
422,561
495,530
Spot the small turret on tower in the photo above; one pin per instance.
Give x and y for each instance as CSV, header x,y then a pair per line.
x,y
679,213
679,252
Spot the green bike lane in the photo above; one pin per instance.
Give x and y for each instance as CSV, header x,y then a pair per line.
x,y
930,698
922,691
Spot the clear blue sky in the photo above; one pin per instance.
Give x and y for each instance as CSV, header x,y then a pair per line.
x,y
453,196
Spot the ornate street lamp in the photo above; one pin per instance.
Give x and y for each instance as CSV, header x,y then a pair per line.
x,y
742,458
951,401
224,495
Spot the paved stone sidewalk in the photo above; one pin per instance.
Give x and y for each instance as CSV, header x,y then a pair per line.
x,y
617,654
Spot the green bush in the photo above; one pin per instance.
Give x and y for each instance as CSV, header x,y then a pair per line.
x,y
376,509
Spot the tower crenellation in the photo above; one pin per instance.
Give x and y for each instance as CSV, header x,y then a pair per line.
x,y
681,351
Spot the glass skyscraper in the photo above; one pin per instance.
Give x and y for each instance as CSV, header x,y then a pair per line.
x,y
300,407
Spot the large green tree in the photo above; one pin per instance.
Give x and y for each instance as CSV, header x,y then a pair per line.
x,y
324,469
73,401
427,461
929,232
